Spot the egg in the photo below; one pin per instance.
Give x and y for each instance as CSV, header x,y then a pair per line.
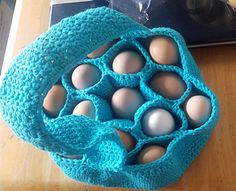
x,y
163,50
198,109
54,100
128,141
158,122
85,76
150,154
100,51
125,102
85,108
168,84
128,62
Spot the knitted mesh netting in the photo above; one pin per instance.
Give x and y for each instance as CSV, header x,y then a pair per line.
x,y
104,160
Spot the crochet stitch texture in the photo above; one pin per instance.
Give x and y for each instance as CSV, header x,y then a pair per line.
x,y
104,160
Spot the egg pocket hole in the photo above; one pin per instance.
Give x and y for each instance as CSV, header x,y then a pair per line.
x,y
159,119
165,52
54,102
125,102
88,105
197,107
169,85
148,152
98,84
124,58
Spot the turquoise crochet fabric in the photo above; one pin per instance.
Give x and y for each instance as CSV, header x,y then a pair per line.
x,y
104,160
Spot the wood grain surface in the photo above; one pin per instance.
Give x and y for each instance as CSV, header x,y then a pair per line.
x,y
24,168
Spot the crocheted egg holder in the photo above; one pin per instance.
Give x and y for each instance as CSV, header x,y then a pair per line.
x,y
193,80
105,161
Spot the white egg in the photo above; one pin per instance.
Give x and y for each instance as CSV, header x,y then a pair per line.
x,y
158,122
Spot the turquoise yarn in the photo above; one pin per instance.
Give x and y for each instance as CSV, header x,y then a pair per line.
x,y
104,160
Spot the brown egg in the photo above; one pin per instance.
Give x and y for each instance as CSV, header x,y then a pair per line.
x,y
128,141
128,62
168,84
126,101
85,108
55,100
198,109
150,154
100,51
163,50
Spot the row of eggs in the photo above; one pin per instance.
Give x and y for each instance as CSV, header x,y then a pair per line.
x,y
166,84
126,101
163,50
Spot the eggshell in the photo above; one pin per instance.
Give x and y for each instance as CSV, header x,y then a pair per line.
x,y
163,50
168,84
54,100
85,76
158,122
128,62
128,141
150,154
85,108
198,109
125,102
100,51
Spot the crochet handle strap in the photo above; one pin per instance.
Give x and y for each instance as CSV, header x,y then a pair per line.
x,y
42,63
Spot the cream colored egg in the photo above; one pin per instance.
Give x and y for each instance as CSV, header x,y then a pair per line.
x,y
85,108
85,76
54,100
168,84
150,154
125,102
128,62
158,122
128,141
163,50
100,51
198,109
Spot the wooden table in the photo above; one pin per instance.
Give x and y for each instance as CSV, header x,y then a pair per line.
x,y
23,167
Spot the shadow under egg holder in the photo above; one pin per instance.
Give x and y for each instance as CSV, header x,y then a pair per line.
x,y
104,160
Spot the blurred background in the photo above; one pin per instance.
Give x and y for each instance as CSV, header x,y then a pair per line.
x,y
6,13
